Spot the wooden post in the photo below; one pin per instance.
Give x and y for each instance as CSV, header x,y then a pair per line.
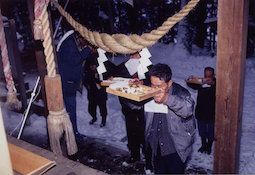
x,y
18,65
231,56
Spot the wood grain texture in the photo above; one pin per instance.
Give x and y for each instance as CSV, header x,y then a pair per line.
x,y
26,162
54,93
231,55
63,166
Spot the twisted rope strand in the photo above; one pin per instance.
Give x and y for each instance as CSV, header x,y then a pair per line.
x,y
120,43
5,59
38,6
47,43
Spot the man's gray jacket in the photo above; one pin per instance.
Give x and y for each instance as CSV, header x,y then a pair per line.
x,y
180,120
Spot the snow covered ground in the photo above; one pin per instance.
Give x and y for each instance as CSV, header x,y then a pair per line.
x,y
182,65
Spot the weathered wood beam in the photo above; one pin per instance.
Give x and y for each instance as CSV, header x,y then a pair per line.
x,y
231,58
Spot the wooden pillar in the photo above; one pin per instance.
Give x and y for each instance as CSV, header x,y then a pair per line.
x,y
18,64
231,58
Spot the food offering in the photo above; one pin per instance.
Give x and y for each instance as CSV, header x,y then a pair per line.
x,y
114,80
134,92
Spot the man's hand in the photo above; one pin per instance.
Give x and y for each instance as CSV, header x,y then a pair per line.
x,y
110,78
208,81
161,97
137,81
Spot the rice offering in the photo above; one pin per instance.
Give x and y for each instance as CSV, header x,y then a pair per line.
x,y
134,89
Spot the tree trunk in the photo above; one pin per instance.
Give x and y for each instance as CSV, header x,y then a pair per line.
x,y
133,22
200,28
184,36
111,17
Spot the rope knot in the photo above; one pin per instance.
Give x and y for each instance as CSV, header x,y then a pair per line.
x,y
58,113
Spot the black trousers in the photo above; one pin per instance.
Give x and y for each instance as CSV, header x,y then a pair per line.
x,y
169,164
135,130
206,130
92,108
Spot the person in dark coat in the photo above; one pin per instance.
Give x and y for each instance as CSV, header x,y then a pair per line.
x,y
71,55
205,109
97,95
134,117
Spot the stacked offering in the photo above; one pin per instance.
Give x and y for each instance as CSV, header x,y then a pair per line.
x,y
130,90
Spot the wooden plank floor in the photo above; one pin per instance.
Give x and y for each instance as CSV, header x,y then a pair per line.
x,y
63,166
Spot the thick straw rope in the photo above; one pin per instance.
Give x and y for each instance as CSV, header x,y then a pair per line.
x,y
47,43
120,43
58,121
12,100
38,35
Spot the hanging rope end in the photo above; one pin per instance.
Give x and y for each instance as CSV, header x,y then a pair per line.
x,y
59,124
12,101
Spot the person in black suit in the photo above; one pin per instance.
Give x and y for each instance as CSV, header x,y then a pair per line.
x,y
97,95
134,117
205,109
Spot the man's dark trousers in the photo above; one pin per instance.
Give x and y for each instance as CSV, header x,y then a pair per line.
x,y
135,130
169,164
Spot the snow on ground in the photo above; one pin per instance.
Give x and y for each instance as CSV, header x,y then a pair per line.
x,y
182,65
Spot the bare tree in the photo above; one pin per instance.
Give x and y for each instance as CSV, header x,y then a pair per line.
x,y
184,35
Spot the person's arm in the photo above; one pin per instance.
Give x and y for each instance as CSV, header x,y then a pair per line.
x,y
194,86
181,106
88,79
85,53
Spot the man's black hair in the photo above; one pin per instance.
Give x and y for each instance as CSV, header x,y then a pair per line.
x,y
162,71
210,69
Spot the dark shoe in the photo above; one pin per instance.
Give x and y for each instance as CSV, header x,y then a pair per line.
x,y
209,147
208,151
92,121
202,149
102,125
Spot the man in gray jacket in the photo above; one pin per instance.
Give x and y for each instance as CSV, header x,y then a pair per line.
x,y
170,127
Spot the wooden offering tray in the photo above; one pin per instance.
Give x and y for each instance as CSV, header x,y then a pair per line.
x,y
114,80
134,92
195,80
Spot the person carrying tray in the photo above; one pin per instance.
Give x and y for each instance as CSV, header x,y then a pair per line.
x,y
134,114
205,109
